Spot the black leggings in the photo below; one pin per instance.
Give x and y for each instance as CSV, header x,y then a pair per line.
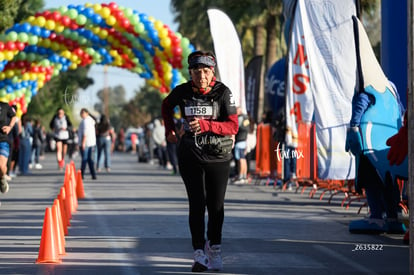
x,y
206,187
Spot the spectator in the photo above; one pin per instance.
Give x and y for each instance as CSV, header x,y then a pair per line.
x,y
87,142
60,125
240,147
25,149
37,144
104,135
158,135
14,141
7,120
121,140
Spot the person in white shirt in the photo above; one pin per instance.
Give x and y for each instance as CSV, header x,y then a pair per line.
x,y
87,142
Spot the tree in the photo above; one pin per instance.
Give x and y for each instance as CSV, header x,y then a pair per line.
x,y
116,103
143,108
12,11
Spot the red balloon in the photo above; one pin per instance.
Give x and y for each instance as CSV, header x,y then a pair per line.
x,y
65,20
73,26
1,46
56,16
177,51
10,45
125,23
20,46
113,5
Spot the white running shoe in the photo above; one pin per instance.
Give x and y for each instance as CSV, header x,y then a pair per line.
x,y
213,253
200,261
38,166
4,186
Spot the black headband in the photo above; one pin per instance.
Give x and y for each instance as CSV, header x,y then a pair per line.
x,y
201,59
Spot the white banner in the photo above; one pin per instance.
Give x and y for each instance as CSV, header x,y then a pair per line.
x,y
321,80
227,48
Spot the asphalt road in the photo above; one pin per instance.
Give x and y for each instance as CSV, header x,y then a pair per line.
x,y
134,221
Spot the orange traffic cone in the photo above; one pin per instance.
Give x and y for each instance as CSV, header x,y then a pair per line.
x,y
65,221
73,185
57,222
80,192
69,192
48,252
67,203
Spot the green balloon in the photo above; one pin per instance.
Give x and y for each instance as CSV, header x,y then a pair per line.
x,y
23,37
139,28
45,62
63,9
12,36
128,12
72,13
33,40
21,56
82,40
81,19
2,93
185,42
31,57
74,36
66,32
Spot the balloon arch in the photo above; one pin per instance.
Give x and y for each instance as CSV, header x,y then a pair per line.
x,y
57,40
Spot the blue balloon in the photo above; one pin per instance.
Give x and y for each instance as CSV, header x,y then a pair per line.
x,y
36,30
26,27
45,33
96,19
88,12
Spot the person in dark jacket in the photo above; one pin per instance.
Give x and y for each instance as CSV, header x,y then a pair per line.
x,y
204,152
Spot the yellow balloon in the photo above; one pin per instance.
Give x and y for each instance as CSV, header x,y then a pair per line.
x,y
103,33
96,30
40,21
55,46
59,28
168,76
2,75
33,76
163,33
73,66
105,12
165,42
66,54
74,58
46,43
97,8
50,25
113,53
31,19
9,55
25,77
158,25
9,73
2,57
111,20
19,113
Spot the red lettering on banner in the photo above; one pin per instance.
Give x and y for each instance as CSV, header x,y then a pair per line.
x,y
300,83
300,57
296,111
